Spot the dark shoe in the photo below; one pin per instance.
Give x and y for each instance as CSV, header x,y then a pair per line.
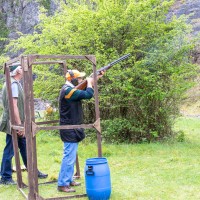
x,y
73,183
7,182
65,189
41,175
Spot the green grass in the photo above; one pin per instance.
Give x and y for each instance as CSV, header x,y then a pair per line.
x,y
157,171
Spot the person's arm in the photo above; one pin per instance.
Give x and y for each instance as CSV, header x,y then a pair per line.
x,y
17,117
16,112
75,94
15,94
90,82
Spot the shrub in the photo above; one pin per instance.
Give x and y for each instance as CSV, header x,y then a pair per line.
x,y
138,98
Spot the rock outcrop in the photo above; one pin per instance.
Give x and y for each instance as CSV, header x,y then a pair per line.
x,y
190,8
22,15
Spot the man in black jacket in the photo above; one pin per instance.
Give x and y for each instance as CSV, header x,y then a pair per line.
x,y
71,113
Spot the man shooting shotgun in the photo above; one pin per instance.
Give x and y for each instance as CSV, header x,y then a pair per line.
x,y
82,85
71,113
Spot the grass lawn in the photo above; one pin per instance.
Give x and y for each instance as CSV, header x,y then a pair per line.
x,y
169,170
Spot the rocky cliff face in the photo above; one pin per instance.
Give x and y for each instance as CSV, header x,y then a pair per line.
x,y
19,15
190,8
23,15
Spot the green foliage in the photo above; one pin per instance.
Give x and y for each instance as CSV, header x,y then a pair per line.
x,y
3,59
152,170
3,33
180,137
121,131
48,83
45,3
1,110
144,91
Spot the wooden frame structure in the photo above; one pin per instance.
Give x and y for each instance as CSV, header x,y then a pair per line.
x,y
31,127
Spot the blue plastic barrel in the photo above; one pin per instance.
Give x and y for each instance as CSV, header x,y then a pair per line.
x,y
97,179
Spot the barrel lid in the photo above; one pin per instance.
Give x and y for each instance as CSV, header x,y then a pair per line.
x,y
96,161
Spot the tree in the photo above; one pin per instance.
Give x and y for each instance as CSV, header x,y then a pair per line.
x,y
140,96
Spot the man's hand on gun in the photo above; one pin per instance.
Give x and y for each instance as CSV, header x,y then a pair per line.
x,y
90,80
100,75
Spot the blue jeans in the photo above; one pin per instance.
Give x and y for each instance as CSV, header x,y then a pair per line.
x,y
8,153
67,165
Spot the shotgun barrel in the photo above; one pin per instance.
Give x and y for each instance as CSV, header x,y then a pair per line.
x,y
83,84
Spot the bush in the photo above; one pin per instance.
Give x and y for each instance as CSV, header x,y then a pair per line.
x,y
180,136
120,131
138,98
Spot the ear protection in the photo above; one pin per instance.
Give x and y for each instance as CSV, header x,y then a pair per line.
x,y
73,80
71,73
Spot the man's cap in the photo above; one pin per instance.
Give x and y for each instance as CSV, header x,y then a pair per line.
x,y
15,65
12,68
74,74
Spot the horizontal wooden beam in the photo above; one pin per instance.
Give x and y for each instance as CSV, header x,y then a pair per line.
x,y
36,128
85,57
10,62
16,127
48,122
68,197
47,62
65,127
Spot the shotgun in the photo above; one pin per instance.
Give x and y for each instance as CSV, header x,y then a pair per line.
x,y
83,84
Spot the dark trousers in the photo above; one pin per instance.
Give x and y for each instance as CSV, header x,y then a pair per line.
x,y
8,153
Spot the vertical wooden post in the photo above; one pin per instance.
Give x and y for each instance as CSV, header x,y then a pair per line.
x,y
77,174
64,67
35,168
97,107
28,130
12,121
